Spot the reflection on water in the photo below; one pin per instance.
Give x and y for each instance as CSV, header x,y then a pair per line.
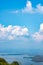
x,y
23,59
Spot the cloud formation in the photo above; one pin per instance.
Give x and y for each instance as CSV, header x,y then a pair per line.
x,y
39,8
11,32
41,27
30,9
38,36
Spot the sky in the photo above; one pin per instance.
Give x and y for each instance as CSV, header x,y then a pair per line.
x,y
21,25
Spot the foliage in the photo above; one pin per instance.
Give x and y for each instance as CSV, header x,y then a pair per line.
x,y
4,62
15,63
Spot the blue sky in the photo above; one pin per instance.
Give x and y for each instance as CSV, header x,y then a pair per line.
x,y
21,24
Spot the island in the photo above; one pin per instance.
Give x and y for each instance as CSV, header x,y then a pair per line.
x,y
37,58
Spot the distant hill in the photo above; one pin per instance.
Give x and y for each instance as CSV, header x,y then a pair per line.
x,y
37,58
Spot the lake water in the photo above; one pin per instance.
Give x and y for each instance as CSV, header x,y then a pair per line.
x,y
22,59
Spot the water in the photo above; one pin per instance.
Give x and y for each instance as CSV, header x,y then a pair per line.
x,y
22,59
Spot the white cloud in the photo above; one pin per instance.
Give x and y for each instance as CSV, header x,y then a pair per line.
x,y
19,31
14,32
39,8
41,28
28,8
38,36
11,32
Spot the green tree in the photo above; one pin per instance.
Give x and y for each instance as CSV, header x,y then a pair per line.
x,y
3,62
14,63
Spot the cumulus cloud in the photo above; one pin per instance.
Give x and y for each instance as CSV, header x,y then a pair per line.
x,y
11,32
41,28
38,36
39,8
30,9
